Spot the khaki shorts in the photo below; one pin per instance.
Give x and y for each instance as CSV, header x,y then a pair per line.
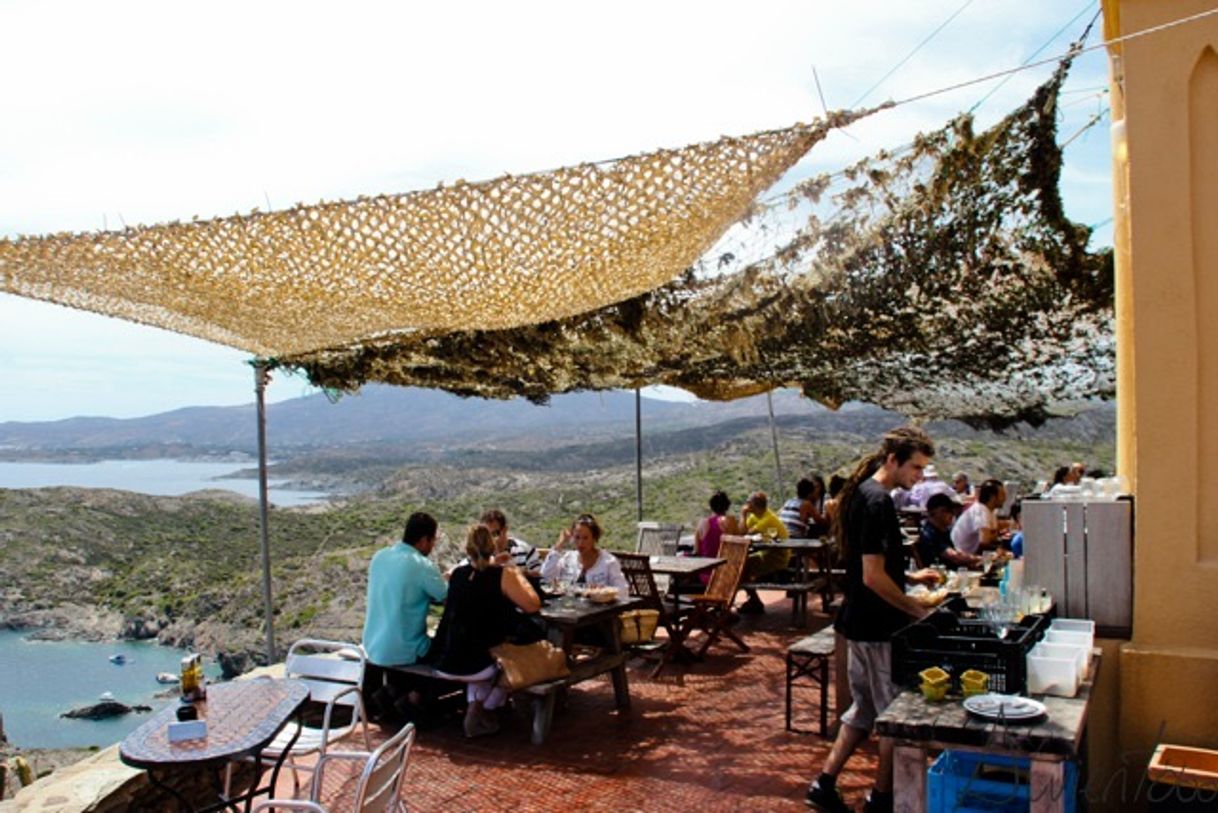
x,y
869,667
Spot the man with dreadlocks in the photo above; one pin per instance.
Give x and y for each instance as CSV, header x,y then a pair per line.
x,y
869,533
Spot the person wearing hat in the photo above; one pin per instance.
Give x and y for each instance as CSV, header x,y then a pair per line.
x,y
927,487
934,543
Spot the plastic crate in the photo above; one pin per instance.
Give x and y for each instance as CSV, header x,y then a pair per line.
x,y
967,782
957,644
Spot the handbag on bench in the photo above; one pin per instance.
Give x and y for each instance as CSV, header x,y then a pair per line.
x,y
524,665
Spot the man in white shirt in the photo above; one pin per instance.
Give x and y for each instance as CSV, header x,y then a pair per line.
x,y
977,528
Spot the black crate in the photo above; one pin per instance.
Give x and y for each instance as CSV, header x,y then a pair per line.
x,y
956,644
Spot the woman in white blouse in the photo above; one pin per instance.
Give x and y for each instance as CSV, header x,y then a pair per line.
x,y
586,563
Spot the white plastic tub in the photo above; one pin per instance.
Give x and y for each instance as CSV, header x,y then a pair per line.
x,y
1079,654
1073,625
1058,636
1056,676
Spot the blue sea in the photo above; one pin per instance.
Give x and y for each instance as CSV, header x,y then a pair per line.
x,y
160,477
39,680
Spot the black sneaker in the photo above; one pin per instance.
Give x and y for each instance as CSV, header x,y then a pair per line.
x,y
824,799
878,803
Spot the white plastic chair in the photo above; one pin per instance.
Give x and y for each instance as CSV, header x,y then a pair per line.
x,y
380,784
658,538
334,672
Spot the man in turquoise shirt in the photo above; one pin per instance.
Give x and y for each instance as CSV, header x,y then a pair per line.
x,y
402,584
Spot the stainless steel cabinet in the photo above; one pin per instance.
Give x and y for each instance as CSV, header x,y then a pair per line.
x,y
1083,553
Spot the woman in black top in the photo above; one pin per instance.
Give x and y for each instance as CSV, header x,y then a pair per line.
x,y
478,613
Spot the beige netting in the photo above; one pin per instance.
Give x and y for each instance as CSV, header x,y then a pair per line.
x,y
500,254
941,281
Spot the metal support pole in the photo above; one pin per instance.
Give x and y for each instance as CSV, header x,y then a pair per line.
x,y
778,492
638,451
261,377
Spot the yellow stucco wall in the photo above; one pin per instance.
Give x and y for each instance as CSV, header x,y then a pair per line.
x,y
1166,87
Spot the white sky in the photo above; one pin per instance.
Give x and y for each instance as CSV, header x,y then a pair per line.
x,y
143,112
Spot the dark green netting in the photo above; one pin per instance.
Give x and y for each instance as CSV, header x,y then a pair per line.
x,y
944,281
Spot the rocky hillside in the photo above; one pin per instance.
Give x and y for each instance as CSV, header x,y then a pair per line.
x,y
104,563
423,420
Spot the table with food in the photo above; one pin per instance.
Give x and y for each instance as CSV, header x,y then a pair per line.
x,y
999,688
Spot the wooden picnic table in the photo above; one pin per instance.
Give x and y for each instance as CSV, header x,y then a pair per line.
x,y
564,617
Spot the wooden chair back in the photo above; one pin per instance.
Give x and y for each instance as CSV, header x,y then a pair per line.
x,y
636,567
725,579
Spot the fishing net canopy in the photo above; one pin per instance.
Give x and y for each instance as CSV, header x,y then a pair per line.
x,y
940,280
943,281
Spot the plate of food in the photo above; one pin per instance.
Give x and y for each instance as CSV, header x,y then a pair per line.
x,y
1007,707
927,597
601,595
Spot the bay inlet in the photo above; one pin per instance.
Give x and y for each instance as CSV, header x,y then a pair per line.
x,y
39,680
165,478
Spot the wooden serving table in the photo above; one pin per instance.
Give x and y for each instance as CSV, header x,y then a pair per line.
x,y
242,719
915,726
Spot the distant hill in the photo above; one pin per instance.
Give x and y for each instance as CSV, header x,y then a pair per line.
x,y
425,419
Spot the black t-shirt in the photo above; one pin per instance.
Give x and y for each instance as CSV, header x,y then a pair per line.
x,y
477,617
872,528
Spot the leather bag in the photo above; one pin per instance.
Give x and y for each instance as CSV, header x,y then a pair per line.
x,y
524,665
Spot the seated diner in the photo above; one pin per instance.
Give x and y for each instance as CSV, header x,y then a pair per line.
x,y
978,527
585,564
509,549
759,519
804,515
712,528
934,545
479,614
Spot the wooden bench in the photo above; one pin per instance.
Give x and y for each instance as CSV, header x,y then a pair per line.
x,y
809,658
542,696
796,591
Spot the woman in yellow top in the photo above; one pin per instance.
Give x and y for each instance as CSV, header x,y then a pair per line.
x,y
759,519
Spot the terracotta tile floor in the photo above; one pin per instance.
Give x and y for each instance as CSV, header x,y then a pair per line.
x,y
700,738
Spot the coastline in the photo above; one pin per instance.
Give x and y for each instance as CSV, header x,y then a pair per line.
x,y
65,622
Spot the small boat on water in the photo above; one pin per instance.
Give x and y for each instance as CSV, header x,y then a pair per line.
x,y
118,658
106,697
166,677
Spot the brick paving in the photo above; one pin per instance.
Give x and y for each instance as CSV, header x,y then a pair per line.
x,y
706,737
